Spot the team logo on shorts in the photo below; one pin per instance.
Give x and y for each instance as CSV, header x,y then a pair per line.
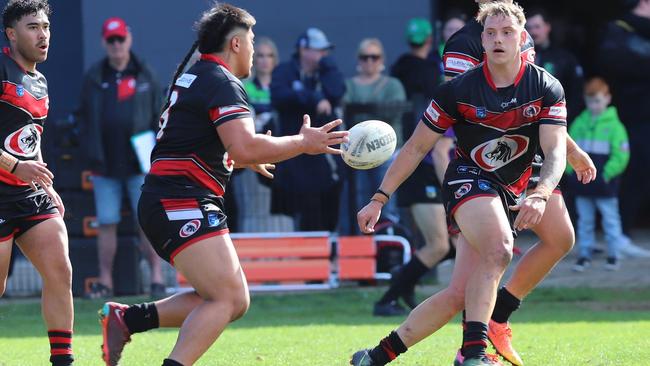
x,y
213,219
531,110
20,90
463,190
484,185
25,141
496,153
481,112
190,228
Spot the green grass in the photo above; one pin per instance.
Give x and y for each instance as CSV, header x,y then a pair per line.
x,y
554,327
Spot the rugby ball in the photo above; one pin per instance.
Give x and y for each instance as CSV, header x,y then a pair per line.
x,y
370,144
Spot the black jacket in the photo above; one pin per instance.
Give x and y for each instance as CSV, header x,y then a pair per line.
x,y
146,109
624,59
565,67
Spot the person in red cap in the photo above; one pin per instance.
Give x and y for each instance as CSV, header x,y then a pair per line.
x,y
120,98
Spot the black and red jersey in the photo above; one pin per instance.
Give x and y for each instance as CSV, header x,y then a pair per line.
x,y
464,50
189,157
498,128
23,109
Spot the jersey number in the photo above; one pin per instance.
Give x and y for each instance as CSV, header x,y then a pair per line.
x,y
165,115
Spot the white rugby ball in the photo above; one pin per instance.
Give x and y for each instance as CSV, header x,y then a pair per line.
x,y
370,144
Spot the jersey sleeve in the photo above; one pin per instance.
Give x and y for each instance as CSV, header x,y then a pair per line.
x,y
554,110
439,115
461,54
229,101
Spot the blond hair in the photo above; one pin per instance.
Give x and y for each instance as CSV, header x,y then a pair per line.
x,y
501,8
370,42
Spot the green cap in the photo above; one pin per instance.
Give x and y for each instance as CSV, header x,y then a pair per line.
x,y
418,30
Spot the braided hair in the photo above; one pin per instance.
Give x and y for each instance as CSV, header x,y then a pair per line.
x,y
213,30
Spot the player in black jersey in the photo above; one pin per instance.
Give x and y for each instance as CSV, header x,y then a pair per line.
x,y
30,210
502,112
464,51
206,130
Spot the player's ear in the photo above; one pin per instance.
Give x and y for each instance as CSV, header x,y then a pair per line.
x,y
11,33
524,36
235,43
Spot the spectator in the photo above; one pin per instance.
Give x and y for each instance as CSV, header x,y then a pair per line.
x,y
452,25
378,93
600,133
560,62
308,187
420,194
120,97
624,60
252,190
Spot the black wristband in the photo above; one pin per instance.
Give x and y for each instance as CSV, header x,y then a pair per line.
x,y
382,193
15,166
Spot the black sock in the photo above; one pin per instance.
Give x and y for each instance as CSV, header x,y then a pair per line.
x,y
474,340
388,349
60,347
506,304
141,317
170,362
406,278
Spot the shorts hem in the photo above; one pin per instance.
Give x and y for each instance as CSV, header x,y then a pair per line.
x,y
194,241
465,200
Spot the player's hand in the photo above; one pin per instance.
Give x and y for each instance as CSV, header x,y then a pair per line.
x,y
530,211
56,199
368,216
582,164
32,172
318,140
324,107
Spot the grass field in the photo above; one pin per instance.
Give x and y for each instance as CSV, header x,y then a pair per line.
x,y
554,327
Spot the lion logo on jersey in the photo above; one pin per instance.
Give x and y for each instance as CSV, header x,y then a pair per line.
x,y
494,154
25,141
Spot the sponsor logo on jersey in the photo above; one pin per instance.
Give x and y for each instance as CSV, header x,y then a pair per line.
x,y
484,185
458,64
432,113
481,112
531,111
509,103
24,142
20,90
189,229
463,190
557,112
468,169
185,80
496,153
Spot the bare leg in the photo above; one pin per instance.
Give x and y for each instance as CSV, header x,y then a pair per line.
x,y
5,258
431,221
556,240
46,246
107,247
440,308
211,266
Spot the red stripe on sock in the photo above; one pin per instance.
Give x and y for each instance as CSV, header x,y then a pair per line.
x,y
474,343
388,349
61,351
60,340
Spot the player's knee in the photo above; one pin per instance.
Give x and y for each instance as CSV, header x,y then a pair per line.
x,y
501,253
240,304
59,274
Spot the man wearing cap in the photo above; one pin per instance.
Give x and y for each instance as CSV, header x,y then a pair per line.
x,y
308,187
120,98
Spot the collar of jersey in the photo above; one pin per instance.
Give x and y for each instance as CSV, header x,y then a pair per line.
x,y
216,59
488,77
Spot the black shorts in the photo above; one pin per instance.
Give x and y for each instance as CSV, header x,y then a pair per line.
x,y
16,217
463,183
421,187
173,223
